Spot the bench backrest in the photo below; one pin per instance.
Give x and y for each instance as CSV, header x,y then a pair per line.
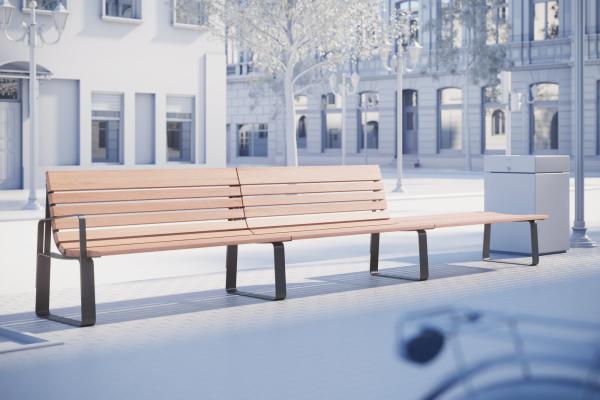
x,y
144,202
287,196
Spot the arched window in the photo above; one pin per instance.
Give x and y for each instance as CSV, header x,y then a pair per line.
x,y
331,122
498,127
494,120
450,119
301,106
369,120
301,132
545,117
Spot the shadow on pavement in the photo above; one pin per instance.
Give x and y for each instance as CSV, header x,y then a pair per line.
x,y
192,302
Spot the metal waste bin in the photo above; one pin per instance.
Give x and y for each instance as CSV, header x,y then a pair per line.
x,y
528,185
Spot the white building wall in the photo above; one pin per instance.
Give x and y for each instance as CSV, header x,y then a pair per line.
x,y
132,57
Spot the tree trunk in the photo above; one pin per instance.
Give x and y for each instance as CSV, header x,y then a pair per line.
x,y
291,148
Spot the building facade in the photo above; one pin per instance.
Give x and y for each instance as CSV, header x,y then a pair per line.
x,y
131,83
443,116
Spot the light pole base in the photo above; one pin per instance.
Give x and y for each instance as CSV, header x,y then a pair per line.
x,y
580,239
399,189
32,204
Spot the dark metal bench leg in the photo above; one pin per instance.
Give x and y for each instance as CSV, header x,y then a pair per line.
x,y
42,295
280,282
423,258
487,236
535,252
88,295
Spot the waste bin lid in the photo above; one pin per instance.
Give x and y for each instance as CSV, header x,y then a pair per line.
x,y
526,164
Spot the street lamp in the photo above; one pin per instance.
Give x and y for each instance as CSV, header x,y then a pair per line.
x,y
32,37
344,88
579,237
409,49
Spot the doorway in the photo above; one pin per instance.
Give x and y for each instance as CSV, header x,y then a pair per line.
x,y
10,134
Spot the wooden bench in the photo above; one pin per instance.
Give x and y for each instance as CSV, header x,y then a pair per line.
x,y
92,214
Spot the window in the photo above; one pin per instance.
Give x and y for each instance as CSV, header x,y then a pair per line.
x,y
450,119
301,104
106,127
44,5
180,112
450,30
9,90
545,117
189,13
497,20
331,118
128,9
545,23
369,120
301,132
494,120
253,140
409,10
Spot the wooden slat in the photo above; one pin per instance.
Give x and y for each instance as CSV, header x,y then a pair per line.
x,y
480,218
152,230
149,218
155,239
383,225
250,201
272,211
271,175
293,220
294,188
143,194
321,233
140,178
181,244
146,206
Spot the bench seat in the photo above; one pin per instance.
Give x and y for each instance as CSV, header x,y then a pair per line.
x,y
147,244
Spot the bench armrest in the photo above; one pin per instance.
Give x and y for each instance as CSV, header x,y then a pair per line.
x,y
44,234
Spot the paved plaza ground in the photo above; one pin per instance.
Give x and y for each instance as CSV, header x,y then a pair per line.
x,y
167,329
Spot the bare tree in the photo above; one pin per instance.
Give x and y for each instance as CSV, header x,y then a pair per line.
x,y
470,40
294,42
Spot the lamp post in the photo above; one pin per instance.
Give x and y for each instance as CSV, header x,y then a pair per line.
x,y
409,49
32,37
579,237
348,86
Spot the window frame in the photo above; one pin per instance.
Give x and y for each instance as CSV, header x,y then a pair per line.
x,y
256,129
19,91
442,107
533,3
181,25
495,106
543,104
138,11
27,10
120,142
363,118
191,120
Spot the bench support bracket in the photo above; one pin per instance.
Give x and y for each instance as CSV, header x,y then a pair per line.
x,y
423,258
535,252
86,269
280,284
